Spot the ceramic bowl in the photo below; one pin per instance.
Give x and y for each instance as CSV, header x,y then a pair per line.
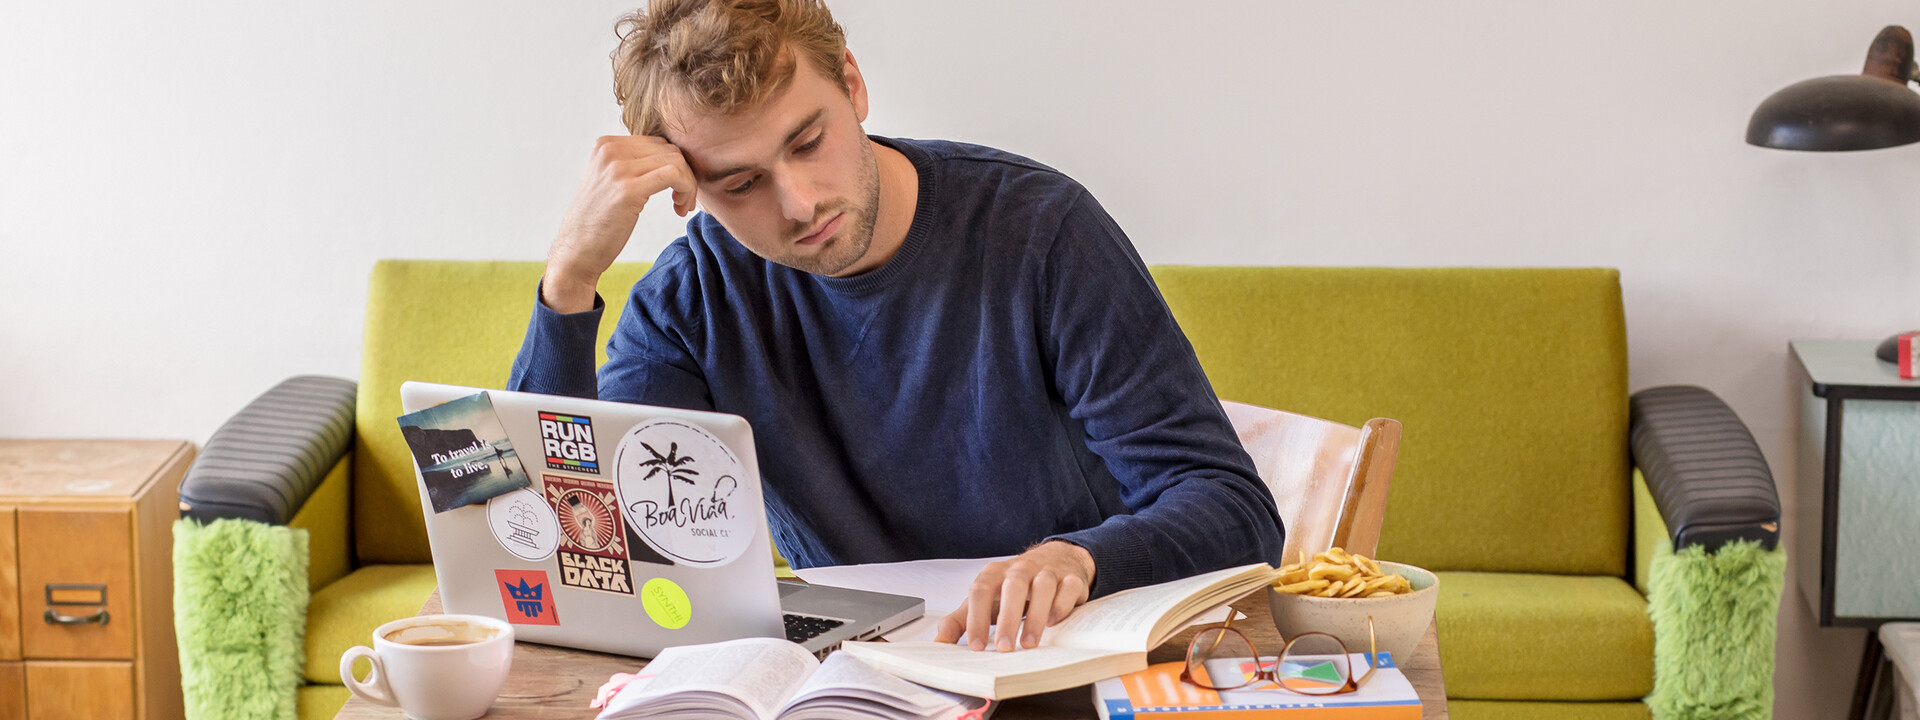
x,y
1398,621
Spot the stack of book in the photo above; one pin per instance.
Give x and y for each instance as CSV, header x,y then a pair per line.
x,y
1157,693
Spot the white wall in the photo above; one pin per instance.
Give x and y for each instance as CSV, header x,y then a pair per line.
x,y
191,195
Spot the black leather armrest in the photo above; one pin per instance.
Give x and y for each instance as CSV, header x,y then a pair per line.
x,y
1705,472
265,461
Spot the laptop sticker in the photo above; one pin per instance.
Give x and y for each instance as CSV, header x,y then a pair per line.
x,y
677,485
593,550
527,597
524,524
567,442
462,453
666,603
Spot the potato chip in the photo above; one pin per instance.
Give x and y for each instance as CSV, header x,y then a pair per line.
x,y
1300,588
1338,573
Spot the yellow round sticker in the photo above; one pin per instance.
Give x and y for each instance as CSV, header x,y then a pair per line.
x,y
666,603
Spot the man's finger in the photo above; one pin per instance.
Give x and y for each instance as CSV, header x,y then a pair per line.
x,y
1013,604
979,608
1072,592
685,189
662,165
951,627
1039,606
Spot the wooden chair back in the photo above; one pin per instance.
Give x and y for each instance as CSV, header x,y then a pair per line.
x,y
1329,479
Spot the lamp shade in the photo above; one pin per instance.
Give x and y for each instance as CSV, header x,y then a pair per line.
x,y
1846,112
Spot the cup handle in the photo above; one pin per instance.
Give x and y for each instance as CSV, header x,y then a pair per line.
x,y
374,688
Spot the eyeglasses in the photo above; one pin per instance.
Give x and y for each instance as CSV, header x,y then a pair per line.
x,y
1313,663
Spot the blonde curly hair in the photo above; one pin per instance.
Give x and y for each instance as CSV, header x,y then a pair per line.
x,y
720,56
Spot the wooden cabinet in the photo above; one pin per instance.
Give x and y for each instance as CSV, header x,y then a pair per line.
x,y
79,690
86,578
13,691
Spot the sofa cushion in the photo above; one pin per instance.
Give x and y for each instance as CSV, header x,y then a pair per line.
x,y
1506,636
1511,385
321,702
345,613
1506,710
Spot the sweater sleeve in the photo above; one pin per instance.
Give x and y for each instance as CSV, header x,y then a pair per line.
x,y
1126,371
556,358
647,359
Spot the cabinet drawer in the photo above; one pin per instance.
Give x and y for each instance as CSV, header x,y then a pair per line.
x,y
9,592
79,690
13,691
76,565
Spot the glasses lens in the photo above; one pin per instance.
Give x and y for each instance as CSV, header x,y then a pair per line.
x,y
1221,659
1314,664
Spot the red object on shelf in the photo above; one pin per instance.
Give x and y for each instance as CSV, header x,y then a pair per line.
x,y
1907,350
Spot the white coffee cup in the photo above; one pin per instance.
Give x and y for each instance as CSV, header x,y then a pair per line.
x,y
434,667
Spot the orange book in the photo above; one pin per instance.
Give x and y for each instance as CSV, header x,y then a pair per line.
x,y
1157,692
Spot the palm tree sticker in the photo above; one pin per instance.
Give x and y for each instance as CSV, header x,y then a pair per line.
x,y
670,464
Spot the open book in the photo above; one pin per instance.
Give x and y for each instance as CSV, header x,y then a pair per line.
x,y
765,679
1101,639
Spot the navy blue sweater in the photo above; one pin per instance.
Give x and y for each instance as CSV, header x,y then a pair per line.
x,y
1010,375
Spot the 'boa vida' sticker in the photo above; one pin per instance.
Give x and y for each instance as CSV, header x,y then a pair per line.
x,y
685,493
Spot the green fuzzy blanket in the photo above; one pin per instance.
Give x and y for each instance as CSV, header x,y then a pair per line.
x,y
240,611
1714,623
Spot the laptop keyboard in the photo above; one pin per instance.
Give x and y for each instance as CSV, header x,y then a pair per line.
x,y
801,628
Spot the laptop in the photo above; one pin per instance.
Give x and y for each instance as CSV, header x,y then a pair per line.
x,y
631,528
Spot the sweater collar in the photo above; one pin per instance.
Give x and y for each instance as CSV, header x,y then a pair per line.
x,y
879,278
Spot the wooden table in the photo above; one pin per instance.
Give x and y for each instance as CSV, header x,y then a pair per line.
x,y
550,682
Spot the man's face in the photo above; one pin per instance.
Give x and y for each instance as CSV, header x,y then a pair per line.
x,y
794,179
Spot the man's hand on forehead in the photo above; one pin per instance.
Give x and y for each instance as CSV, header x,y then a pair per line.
x,y
623,173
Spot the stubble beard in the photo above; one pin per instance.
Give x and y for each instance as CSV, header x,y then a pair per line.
x,y
847,250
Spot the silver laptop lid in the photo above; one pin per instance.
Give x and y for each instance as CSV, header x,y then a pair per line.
x,y
640,528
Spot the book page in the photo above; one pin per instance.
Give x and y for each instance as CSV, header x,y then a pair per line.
x,y
988,662
989,674
941,583
1125,620
759,672
845,676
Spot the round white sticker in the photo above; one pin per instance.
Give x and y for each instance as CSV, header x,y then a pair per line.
x,y
524,524
684,493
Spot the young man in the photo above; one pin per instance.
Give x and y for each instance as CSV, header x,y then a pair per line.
x,y
944,350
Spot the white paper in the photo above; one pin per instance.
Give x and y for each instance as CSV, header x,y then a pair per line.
x,y
942,583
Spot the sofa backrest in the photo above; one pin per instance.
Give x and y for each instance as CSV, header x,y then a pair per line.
x,y
1511,385
451,322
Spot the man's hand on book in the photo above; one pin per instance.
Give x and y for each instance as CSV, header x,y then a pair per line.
x,y
1042,586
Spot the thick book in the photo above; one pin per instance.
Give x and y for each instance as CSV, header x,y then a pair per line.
x,y
1157,692
771,679
1101,639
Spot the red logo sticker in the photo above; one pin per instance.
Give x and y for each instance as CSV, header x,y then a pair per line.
x,y
527,596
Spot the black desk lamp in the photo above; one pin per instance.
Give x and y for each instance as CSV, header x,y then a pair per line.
x,y
1872,110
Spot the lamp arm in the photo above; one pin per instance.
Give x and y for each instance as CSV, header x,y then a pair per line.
x,y
1891,56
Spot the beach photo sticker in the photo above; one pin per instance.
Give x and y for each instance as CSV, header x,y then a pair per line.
x,y
462,452
681,491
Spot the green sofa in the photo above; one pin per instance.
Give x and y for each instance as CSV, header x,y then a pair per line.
x,y
1516,479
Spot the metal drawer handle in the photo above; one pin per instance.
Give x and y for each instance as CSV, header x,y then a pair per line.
x,y
57,591
54,618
